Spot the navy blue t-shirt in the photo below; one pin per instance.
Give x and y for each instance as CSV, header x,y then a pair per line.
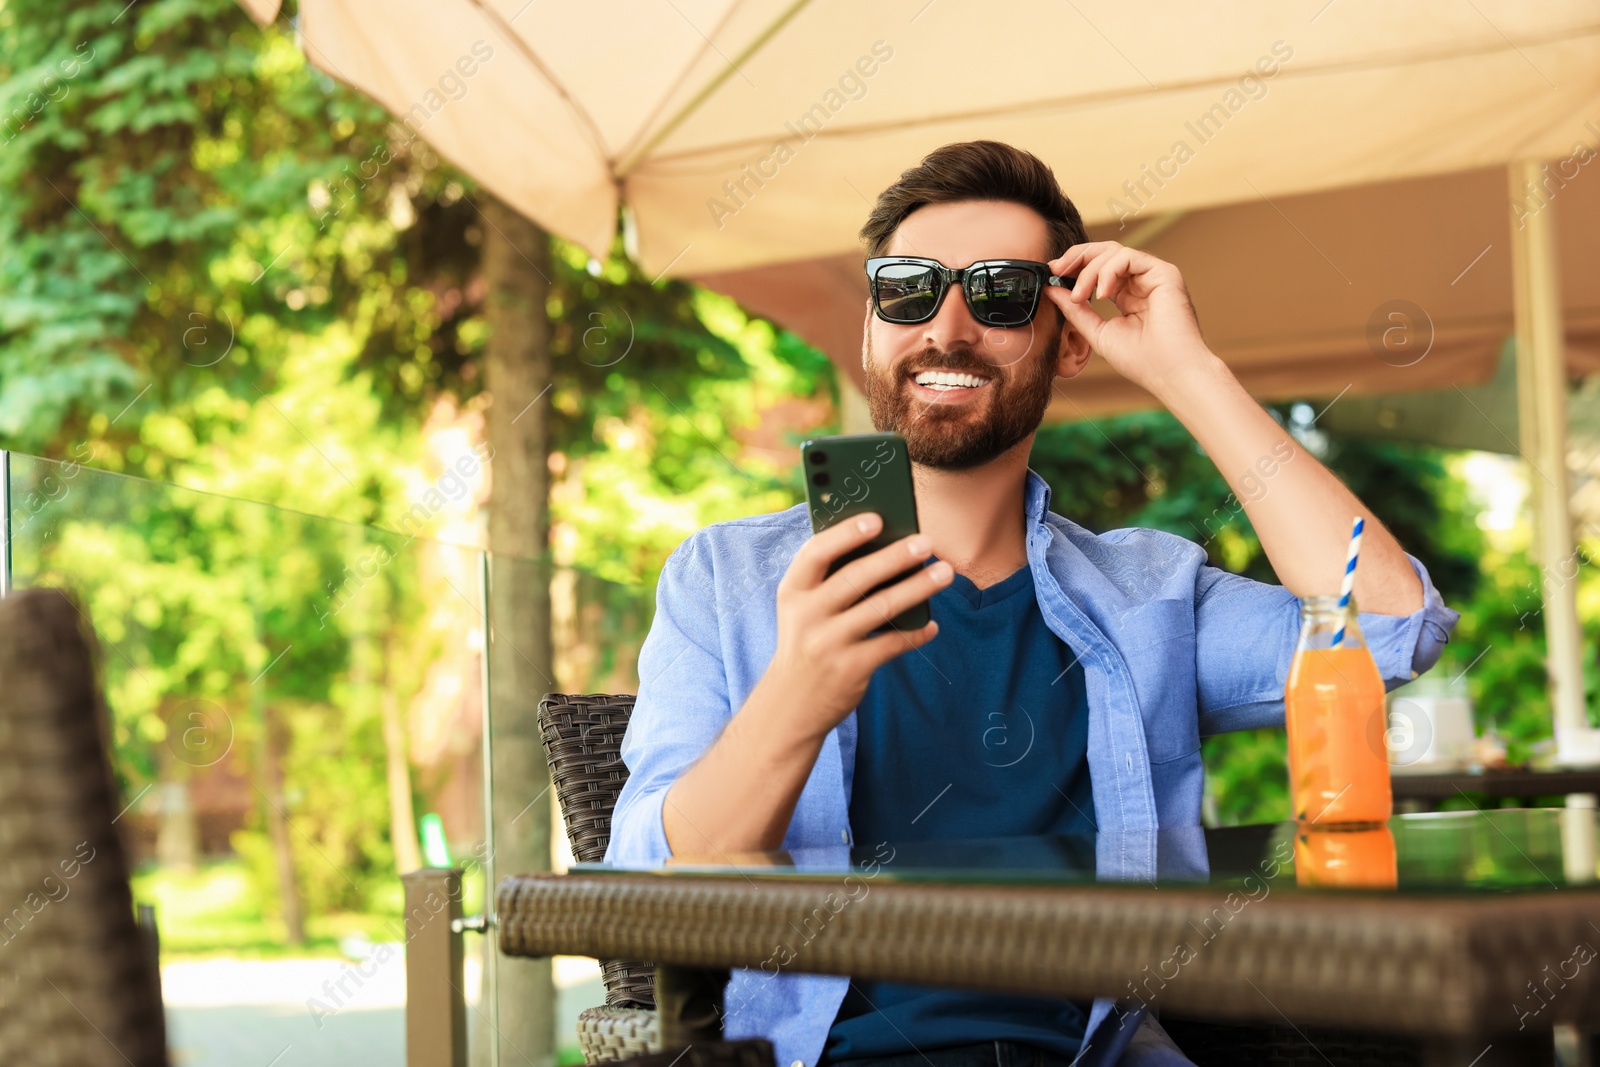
x,y
981,733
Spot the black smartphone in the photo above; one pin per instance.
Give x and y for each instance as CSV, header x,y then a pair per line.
x,y
846,476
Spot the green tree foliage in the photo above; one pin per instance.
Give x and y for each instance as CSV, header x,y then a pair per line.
x,y
1144,469
156,162
1499,646
655,385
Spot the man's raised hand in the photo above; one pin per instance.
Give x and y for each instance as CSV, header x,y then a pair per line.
x,y
1156,338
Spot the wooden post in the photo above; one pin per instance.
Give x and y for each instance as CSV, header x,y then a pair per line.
x,y
1542,413
436,1007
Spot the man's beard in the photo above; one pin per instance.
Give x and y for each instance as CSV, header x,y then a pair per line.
x,y
948,436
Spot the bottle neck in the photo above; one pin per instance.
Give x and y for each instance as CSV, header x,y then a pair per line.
x,y
1324,624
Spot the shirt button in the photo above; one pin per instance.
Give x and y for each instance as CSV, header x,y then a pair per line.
x,y
844,835
798,1063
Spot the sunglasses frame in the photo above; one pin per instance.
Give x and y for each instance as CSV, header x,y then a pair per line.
x,y
957,276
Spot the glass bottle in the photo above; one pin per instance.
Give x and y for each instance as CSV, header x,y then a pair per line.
x,y
1334,711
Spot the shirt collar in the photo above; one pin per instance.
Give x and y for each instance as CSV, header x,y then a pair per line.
x,y
1036,497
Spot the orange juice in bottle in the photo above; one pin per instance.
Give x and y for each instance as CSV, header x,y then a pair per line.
x,y
1334,711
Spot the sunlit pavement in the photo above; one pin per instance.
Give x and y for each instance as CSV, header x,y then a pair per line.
x,y
316,1012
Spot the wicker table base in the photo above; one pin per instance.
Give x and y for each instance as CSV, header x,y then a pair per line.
x,y
1449,972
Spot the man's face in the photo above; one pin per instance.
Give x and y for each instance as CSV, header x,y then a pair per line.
x,y
1007,373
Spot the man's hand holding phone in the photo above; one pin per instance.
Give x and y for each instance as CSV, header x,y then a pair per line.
x,y
825,648
740,795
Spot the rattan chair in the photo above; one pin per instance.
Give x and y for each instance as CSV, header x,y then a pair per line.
x,y
78,987
582,740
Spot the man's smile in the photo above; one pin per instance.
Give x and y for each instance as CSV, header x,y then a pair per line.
x,y
946,385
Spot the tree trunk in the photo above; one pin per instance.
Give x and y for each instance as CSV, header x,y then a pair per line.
x,y
273,742
516,267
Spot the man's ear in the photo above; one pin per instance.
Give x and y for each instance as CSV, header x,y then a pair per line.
x,y
1072,350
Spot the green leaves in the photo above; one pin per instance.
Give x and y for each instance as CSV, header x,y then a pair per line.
x,y
155,159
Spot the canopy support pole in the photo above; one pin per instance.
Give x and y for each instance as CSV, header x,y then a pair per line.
x,y
1542,412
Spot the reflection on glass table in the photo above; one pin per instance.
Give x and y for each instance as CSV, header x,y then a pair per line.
x,y
1507,849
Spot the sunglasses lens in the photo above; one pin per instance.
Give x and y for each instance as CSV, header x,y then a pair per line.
x,y
907,292
1003,296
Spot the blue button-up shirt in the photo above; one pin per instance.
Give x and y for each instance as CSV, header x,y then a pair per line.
x,y
1172,650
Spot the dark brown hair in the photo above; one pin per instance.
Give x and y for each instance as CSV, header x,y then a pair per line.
x,y
976,170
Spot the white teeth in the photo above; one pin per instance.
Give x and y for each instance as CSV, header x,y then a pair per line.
x,y
943,379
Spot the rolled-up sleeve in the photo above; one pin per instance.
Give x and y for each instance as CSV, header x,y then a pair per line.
x,y
1246,632
1406,646
681,707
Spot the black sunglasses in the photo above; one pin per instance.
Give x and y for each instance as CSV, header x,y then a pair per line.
x,y
1000,292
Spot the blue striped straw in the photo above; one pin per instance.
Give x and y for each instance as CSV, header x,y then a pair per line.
x,y
1349,578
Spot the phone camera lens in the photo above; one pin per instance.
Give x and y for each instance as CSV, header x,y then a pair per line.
x,y
819,457
820,478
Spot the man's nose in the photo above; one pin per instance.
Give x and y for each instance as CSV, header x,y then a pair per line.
x,y
953,327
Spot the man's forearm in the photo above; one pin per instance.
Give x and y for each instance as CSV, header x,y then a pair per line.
x,y
1300,510
740,795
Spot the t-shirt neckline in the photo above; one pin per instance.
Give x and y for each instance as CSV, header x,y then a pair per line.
x,y
990,595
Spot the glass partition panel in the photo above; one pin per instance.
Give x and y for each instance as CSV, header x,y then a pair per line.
x,y
583,638
297,714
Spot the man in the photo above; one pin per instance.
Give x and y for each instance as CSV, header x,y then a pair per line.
x,y
769,715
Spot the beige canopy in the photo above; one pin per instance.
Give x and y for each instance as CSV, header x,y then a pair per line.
x,y
747,132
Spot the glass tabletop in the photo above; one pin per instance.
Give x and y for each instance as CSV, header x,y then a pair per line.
x,y
1495,851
